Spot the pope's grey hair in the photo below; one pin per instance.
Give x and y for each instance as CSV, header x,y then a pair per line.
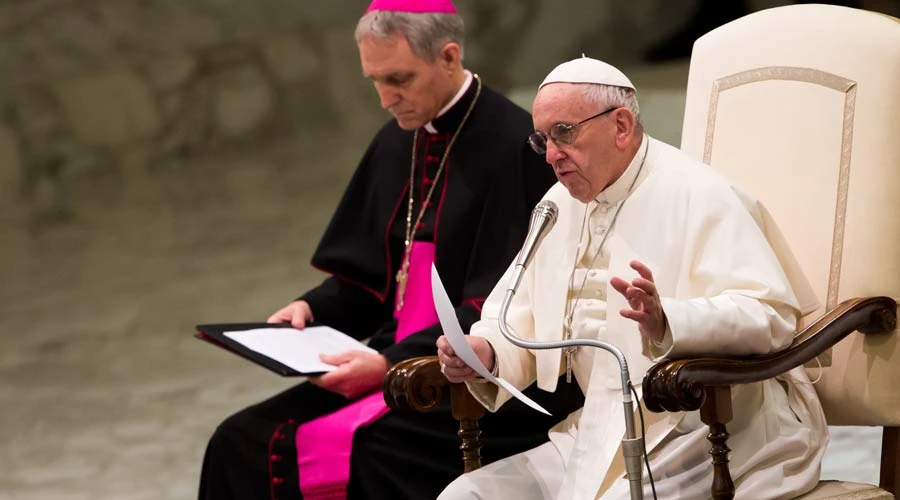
x,y
607,96
427,33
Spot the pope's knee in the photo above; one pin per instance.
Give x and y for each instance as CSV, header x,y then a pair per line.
x,y
459,489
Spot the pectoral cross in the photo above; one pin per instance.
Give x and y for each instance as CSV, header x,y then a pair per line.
x,y
402,276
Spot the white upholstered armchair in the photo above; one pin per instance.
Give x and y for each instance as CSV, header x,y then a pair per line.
x,y
800,106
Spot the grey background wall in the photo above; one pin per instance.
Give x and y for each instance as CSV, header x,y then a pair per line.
x,y
124,88
174,162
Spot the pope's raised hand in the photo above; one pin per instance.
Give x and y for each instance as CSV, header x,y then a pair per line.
x,y
643,300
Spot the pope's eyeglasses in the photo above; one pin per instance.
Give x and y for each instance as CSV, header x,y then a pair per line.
x,y
563,134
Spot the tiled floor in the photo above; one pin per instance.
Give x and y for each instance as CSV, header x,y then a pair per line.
x,y
104,394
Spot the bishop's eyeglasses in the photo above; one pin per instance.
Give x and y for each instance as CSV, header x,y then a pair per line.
x,y
563,134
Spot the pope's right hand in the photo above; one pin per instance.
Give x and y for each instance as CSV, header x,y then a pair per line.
x,y
297,313
454,368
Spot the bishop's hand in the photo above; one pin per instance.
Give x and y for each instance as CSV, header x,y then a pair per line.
x,y
644,304
297,313
358,373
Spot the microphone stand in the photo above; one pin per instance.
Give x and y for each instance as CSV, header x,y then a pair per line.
x,y
632,446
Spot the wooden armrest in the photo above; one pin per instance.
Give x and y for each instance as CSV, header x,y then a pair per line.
x,y
680,385
417,384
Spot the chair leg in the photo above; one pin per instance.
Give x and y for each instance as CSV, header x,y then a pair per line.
x,y
890,465
716,412
471,444
467,410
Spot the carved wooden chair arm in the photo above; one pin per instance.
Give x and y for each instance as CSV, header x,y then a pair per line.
x,y
680,385
417,384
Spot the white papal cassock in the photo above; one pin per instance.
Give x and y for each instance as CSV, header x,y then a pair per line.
x,y
729,286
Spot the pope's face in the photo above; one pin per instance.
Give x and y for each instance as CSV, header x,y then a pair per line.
x,y
593,160
411,88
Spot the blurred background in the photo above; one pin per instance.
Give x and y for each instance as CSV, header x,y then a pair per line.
x,y
173,162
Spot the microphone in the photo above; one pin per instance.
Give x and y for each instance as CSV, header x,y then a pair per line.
x,y
543,217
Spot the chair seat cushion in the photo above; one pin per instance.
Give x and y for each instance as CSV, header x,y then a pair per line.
x,y
839,490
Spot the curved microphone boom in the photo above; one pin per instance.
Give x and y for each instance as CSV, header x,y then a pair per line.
x,y
543,217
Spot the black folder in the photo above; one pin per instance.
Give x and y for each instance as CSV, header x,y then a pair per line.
x,y
215,334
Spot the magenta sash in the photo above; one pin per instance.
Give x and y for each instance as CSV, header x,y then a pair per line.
x,y
323,444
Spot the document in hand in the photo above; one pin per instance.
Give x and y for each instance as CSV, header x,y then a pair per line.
x,y
282,349
457,339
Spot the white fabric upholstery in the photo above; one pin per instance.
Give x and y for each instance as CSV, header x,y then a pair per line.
x,y
800,106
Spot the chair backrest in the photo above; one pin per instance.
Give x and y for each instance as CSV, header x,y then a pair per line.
x,y
800,106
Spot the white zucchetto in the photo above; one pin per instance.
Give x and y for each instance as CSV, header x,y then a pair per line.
x,y
588,70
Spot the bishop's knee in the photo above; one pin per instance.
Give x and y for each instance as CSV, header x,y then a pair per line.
x,y
229,430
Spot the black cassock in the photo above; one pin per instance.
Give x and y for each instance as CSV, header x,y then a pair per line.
x,y
478,217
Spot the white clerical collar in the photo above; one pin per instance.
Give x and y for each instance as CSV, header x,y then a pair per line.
x,y
619,190
462,90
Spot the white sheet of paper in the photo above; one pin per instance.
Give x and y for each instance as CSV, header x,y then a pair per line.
x,y
457,339
298,349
